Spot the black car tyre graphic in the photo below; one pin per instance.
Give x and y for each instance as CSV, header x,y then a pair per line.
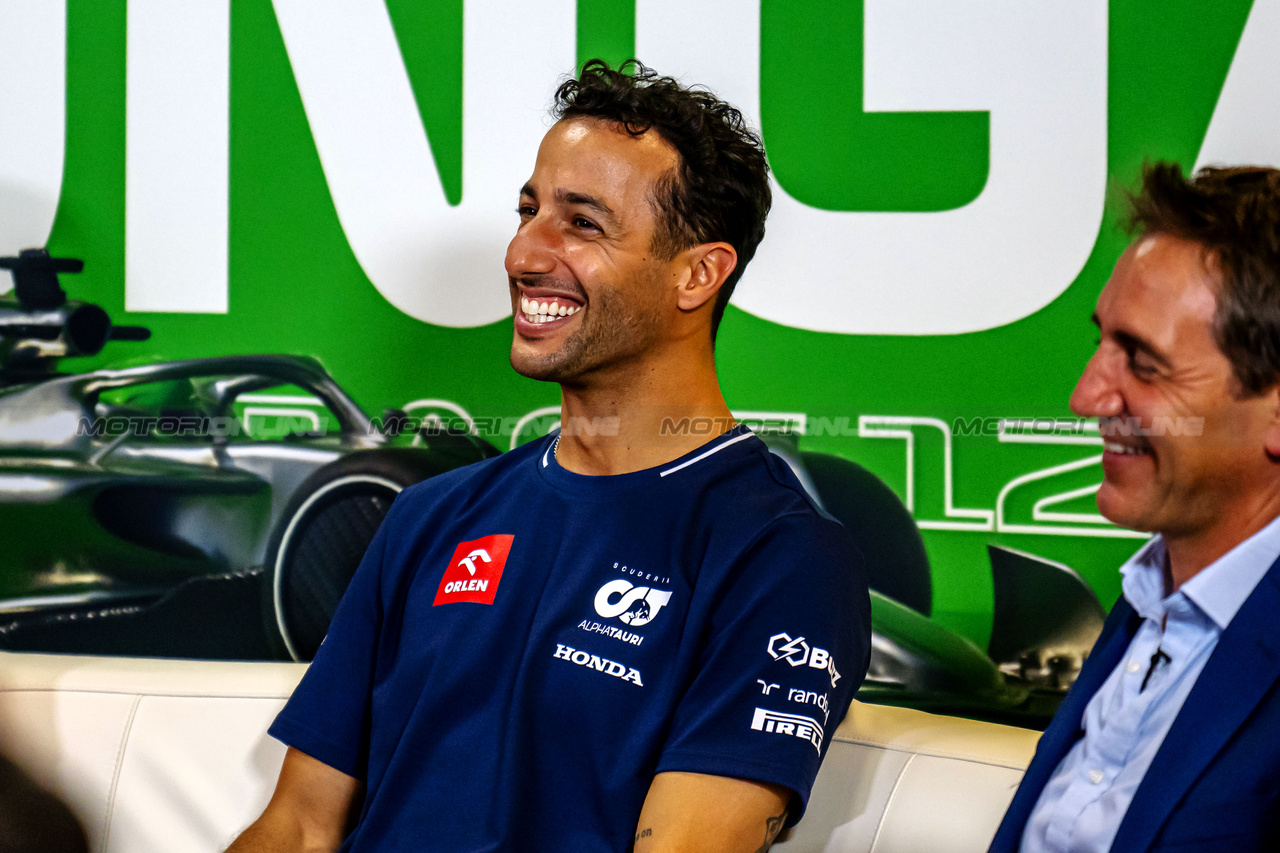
x,y
321,537
883,528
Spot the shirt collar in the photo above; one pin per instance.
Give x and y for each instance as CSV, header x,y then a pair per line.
x,y
1143,579
1219,589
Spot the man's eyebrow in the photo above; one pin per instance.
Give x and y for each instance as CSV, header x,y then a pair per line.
x,y
1133,342
569,197
1130,341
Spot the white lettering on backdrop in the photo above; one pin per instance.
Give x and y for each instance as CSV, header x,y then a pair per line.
x,y
1039,69
33,88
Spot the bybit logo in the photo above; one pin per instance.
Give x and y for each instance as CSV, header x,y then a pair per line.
x,y
798,653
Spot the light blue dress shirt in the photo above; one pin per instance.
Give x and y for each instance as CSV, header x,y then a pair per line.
x,y
1081,807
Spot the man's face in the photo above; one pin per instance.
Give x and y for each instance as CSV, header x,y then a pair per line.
x,y
587,292
1182,451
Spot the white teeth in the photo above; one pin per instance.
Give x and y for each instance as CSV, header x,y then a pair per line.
x,y
1125,449
542,312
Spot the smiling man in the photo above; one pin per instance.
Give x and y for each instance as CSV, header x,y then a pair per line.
x,y
637,633
1170,738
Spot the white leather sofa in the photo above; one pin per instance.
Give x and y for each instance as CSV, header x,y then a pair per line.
x,y
171,756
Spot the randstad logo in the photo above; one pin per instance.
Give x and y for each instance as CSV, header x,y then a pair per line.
x,y
634,605
798,653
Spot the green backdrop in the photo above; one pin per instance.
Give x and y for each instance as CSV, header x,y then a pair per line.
x,y
294,283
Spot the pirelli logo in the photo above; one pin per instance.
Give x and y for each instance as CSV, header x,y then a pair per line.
x,y
794,725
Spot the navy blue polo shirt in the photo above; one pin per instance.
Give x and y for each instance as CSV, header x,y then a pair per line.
x,y
523,648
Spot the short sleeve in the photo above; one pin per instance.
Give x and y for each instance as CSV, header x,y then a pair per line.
x,y
788,644
328,715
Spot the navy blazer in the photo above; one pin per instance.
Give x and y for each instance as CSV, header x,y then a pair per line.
x,y
1214,784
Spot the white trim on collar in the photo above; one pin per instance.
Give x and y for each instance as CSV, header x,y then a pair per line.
x,y
705,454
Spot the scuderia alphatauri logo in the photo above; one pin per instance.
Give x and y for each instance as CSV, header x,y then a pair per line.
x,y
799,653
632,605
629,604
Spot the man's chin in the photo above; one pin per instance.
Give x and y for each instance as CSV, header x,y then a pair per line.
x,y
1123,510
543,367
551,359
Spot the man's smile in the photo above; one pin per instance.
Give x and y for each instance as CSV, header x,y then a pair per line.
x,y
1125,449
542,310
546,310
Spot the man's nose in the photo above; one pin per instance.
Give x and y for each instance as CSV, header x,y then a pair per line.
x,y
533,250
1097,394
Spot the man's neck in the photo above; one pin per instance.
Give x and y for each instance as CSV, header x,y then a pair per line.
x,y
646,417
1189,554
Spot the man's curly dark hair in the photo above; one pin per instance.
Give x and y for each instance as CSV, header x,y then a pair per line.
x,y
1234,213
720,190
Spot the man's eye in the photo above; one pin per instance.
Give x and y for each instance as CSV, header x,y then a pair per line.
x,y
579,222
526,210
1140,365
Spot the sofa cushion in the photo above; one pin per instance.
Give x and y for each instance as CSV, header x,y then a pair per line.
x,y
169,756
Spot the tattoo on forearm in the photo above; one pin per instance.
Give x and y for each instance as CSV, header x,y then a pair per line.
x,y
772,826
644,833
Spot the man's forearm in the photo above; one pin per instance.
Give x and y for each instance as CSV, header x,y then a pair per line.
x,y
696,813
647,841
278,834
772,826
311,811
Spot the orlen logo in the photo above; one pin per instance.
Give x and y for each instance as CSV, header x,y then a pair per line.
x,y
475,570
798,653
634,605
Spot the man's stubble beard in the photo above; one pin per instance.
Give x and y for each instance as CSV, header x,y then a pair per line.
x,y
612,332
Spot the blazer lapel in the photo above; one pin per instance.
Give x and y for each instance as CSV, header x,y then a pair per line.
x,y
1064,730
1241,670
1122,624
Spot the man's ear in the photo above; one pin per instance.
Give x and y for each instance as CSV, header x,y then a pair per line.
x,y
709,264
1272,396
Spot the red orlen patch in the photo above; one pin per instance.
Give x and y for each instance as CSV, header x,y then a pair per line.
x,y
475,570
